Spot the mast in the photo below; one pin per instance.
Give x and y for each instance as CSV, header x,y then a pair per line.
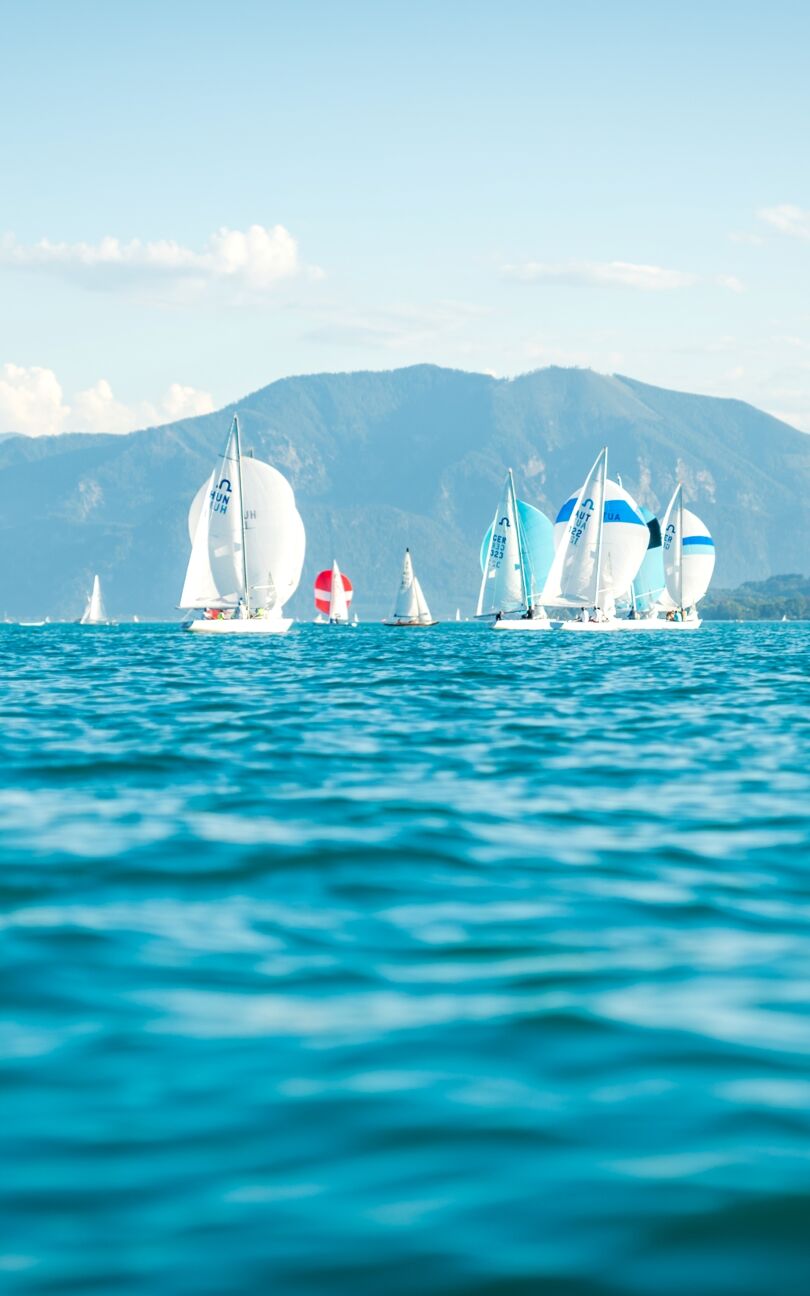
x,y
600,525
238,444
680,546
518,534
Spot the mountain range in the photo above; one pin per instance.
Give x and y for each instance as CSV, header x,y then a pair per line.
x,y
381,460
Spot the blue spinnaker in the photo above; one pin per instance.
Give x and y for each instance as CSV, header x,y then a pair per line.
x,y
649,584
537,547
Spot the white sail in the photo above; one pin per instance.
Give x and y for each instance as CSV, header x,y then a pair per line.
x,y
689,554
573,579
503,584
423,611
338,605
406,607
94,613
244,500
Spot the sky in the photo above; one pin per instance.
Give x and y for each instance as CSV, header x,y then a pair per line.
x,y
198,199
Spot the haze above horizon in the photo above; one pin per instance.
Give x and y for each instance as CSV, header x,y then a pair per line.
x,y
199,201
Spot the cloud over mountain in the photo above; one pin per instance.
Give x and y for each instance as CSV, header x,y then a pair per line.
x,y
32,402
254,260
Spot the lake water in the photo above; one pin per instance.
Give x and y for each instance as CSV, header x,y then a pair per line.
x,y
378,963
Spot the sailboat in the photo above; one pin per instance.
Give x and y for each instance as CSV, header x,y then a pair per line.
x,y
458,614
411,607
247,547
601,542
508,589
689,557
94,613
333,596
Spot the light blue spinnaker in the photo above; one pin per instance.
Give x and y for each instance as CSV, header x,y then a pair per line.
x,y
649,583
536,548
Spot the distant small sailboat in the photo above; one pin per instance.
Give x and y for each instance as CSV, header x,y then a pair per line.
x,y
411,607
602,540
355,620
458,614
95,612
508,591
333,595
247,547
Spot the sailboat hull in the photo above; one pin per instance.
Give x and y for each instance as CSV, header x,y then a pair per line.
x,y
233,626
410,625
523,623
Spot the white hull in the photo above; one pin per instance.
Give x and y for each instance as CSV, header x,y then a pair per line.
x,y
538,623
410,625
251,626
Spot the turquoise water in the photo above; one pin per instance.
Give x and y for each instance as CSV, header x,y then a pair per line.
x,y
371,962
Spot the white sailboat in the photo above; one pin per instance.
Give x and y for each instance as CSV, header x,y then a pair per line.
x,y
505,592
410,608
247,547
94,613
601,543
458,614
689,557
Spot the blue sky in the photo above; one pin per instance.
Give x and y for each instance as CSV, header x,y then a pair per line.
x,y
196,199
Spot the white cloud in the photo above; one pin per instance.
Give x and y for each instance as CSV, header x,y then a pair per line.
x,y
621,274
786,218
32,402
625,274
253,260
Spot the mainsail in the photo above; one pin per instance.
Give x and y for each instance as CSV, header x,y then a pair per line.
x,y
689,554
503,586
574,576
411,604
94,613
338,603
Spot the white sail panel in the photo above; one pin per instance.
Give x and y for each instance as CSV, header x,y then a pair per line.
x,y
94,613
422,609
689,553
574,575
214,577
503,586
698,557
338,603
406,607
